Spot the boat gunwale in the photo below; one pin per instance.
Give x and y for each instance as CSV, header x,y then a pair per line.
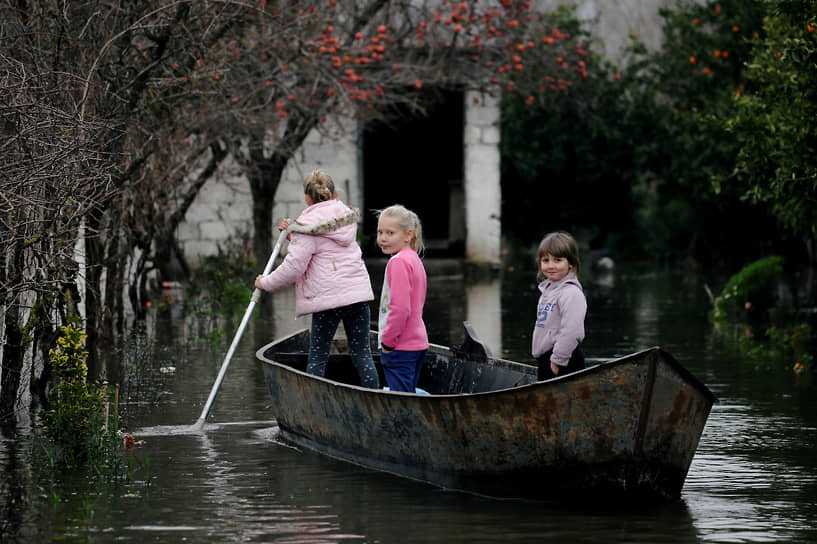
x,y
601,367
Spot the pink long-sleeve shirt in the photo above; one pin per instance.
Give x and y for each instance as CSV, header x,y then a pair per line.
x,y
400,321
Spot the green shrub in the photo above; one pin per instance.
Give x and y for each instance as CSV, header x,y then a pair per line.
x,y
224,282
220,289
752,290
77,421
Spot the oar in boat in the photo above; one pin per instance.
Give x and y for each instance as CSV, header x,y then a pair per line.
x,y
317,228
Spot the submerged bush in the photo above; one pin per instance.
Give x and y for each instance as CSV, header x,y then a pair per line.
x,y
751,292
766,341
77,423
787,347
223,283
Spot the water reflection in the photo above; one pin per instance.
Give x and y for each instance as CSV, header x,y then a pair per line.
x,y
220,485
255,489
483,300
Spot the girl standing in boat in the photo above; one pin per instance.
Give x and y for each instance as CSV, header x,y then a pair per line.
x,y
562,308
402,333
331,281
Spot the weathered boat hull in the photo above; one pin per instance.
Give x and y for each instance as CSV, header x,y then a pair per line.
x,y
629,426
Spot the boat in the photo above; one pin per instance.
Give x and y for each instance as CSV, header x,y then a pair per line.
x,y
627,427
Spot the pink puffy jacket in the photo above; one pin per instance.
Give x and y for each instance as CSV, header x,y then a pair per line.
x,y
327,269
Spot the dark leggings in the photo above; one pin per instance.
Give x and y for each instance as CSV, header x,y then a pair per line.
x,y
356,321
575,363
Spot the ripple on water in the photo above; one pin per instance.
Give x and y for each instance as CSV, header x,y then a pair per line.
x,y
746,472
176,430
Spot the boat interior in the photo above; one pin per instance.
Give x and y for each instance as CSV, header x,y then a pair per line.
x,y
467,369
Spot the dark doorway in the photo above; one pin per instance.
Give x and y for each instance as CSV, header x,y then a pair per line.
x,y
416,161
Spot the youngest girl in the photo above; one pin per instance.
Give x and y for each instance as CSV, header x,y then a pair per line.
x,y
561,310
401,332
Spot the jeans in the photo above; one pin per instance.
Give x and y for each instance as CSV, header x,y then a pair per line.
x,y
402,369
356,320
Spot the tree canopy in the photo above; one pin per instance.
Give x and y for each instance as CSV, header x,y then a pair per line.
x,y
774,120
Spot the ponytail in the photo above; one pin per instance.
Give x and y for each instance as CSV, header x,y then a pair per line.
x,y
319,186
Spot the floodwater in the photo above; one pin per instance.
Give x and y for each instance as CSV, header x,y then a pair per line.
x,y
753,479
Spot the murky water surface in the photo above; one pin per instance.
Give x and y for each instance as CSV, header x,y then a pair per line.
x,y
753,479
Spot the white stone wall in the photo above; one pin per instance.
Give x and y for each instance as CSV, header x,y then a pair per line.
x,y
332,150
224,206
220,211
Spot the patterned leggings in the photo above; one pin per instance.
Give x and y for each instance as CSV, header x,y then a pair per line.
x,y
356,320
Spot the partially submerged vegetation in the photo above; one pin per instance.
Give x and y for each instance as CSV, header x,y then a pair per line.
x,y
771,331
80,448
751,293
81,420
220,289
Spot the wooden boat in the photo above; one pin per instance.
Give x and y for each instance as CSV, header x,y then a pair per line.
x,y
627,427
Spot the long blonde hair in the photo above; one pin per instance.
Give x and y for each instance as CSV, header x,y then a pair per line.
x,y
407,220
319,186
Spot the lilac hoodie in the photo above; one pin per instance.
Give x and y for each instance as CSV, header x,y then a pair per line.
x,y
400,324
327,269
559,319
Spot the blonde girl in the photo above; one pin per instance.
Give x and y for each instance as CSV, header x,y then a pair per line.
x,y
401,331
560,313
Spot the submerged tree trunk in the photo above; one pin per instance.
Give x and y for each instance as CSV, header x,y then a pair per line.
x,y
12,368
97,314
13,343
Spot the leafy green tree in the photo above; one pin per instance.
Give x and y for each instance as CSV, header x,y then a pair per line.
x,y
774,120
558,145
629,156
687,87
562,163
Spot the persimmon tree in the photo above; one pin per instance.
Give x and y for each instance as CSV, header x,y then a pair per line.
x,y
255,79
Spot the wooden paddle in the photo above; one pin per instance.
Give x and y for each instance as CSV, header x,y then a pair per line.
x,y
348,218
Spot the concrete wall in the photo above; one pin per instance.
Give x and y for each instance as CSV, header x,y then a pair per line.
x,y
224,207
